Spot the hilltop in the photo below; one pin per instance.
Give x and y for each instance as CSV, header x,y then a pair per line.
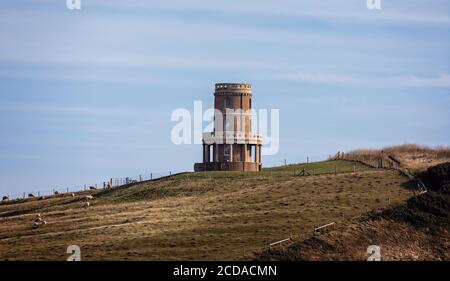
x,y
415,158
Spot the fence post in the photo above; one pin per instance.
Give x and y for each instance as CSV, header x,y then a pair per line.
x,y
151,176
24,195
307,160
284,162
140,178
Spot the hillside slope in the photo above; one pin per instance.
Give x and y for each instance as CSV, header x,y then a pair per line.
x,y
417,230
201,216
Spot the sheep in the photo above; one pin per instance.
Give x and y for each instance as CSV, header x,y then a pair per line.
x,y
5,198
73,194
39,221
89,197
87,204
56,192
30,195
92,188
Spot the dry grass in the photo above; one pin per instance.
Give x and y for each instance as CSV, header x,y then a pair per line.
x,y
216,216
414,157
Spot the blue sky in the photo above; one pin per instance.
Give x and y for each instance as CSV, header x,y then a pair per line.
x,y
87,95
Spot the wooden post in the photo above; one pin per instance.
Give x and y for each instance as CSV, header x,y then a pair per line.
x,y
284,162
140,178
307,160
151,176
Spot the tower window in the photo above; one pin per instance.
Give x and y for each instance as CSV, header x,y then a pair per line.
x,y
227,103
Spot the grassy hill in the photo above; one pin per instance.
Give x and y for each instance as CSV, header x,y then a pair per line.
x,y
200,216
417,230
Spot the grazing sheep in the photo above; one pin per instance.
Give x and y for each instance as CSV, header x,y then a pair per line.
x,y
38,221
30,195
87,204
5,198
92,187
73,194
89,197
41,198
56,192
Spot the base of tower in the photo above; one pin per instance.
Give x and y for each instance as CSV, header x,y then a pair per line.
x,y
228,166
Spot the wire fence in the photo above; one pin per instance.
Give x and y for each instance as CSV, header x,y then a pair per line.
x,y
114,182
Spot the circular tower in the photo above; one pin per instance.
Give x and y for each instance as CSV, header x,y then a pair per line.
x,y
231,146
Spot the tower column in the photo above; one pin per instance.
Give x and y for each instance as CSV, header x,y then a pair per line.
x,y
231,153
204,153
259,155
216,152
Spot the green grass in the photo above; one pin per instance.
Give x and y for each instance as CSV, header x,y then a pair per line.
x,y
316,168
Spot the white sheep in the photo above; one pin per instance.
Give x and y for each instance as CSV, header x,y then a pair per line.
x,y
73,194
87,204
89,197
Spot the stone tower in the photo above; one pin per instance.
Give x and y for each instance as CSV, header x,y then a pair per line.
x,y
231,146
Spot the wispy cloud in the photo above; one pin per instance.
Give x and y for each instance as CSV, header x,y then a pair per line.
x,y
441,80
51,108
